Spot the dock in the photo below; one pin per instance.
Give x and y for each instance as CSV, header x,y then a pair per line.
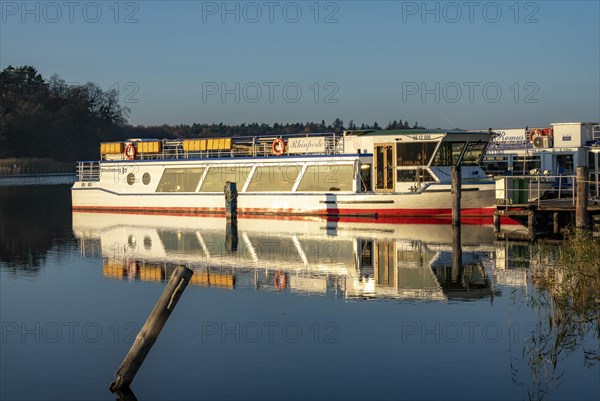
x,y
549,218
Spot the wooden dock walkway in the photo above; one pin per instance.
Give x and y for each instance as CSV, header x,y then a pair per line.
x,y
549,218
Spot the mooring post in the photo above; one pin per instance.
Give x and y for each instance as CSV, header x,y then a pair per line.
x,y
231,195
149,333
531,225
231,235
555,223
457,246
496,222
456,189
582,220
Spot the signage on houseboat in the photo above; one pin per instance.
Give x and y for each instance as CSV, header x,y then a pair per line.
x,y
306,145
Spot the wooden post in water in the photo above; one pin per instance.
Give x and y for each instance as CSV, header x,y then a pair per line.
x,y
531,225
555,223
231,232
457,247
456,189
152,328
231,195
582,220
497,223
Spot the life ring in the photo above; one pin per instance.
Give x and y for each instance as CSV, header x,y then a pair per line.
x,y
278,147
280,280
534,132
130,152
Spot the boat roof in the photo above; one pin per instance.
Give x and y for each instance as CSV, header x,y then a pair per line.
x,y
412,132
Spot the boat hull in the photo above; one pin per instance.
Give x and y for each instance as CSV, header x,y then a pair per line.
x,y
476,202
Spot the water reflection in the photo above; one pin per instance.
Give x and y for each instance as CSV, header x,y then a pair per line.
x,y
354,260
35,219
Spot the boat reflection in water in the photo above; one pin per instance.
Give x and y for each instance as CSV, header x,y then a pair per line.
x,y
354,260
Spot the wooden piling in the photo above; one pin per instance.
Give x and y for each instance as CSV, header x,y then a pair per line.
x,y
456,189
531,225
152,328
496,223
457,266
582,219
457,247
231,195
555,223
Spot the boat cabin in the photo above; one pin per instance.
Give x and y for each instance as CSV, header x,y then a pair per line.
x,y
403,161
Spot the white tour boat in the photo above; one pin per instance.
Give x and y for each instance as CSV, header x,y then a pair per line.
x,y
359,174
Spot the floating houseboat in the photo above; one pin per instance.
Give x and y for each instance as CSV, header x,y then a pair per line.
x,y
557,149
357,174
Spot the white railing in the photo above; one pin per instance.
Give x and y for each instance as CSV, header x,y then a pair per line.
x,y
534,188
241,147
88,171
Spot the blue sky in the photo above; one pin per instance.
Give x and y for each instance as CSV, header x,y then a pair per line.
x,y
444,64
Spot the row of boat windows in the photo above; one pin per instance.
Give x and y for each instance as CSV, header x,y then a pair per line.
x,y
264,179
419,153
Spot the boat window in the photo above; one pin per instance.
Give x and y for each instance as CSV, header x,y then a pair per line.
x,y
328,177
180,179
130,178
365,178
274,178
216,177
146,178
448,154
414,153
496,165
420,175
474,153
522,165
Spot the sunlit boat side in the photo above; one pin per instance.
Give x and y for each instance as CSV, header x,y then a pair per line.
x,y
381,174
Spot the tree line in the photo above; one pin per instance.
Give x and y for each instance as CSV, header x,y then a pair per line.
x,y
50,118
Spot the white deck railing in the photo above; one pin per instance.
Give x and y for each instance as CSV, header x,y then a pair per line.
x,y
241,147
88,171
535,188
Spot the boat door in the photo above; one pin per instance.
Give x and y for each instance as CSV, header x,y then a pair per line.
x,y
384,167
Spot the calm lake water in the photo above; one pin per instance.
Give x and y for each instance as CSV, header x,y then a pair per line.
x,y
285,309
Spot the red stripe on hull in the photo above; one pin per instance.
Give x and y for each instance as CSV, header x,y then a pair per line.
x,y
479,216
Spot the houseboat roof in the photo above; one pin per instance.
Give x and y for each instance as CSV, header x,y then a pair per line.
x,y
411,132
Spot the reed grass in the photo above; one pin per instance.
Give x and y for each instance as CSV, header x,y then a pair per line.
x,y
32,165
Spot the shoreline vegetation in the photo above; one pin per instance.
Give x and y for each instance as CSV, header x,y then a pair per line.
x,y
33,165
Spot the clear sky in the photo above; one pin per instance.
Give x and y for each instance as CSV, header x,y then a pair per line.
x,y
466,64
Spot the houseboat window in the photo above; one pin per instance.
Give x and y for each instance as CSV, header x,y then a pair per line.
x,y
146,178
496,165
217,177
448,154
130,178
274,178
328,177
180,180
593,161
365,178
420,175
564,163
473,154
415,153
523,165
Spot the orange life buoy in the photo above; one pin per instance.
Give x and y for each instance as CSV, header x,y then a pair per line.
x,y
278,147
130,152
280,280
534,132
